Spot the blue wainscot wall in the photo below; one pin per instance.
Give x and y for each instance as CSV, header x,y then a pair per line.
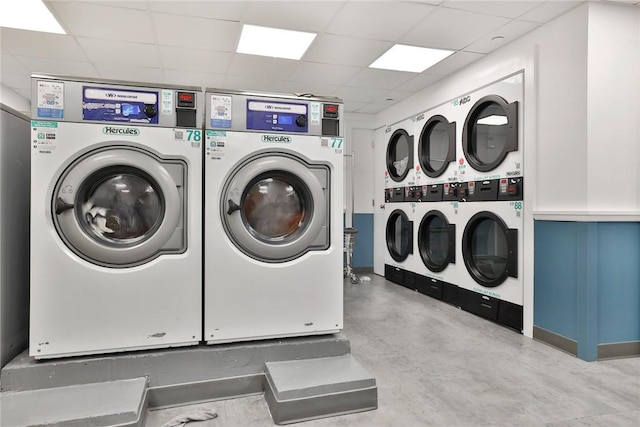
x,y
587,287
363,248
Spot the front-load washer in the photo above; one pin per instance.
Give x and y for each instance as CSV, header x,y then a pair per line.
x,y
490,250
116,216
492,140
399,266
400,161
435,237
273,216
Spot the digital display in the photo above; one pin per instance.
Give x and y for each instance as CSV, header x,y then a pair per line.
x,y
285,120
185,96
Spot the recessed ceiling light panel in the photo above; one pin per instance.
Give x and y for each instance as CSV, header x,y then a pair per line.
x,y
410,58
274,42
30,15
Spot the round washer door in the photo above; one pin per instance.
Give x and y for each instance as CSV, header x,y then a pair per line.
x,y
436,241
399,235
490,132
490,249
275,208
399,155
437,146
120,207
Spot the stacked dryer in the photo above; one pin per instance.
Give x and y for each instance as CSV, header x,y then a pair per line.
x,y
401,194
436,212
490,219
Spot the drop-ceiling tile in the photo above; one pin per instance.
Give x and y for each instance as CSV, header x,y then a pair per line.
x,y
25,93
130,73
419,82
197,33
16,81
392,96
510,32
381,79
352,107
452,29
358,94
324,73
385,20
332,49
262,67
372,108
256,84
548,10
58,66
310,16
224,10
205,61
103,22
191,78
118,52
454,62
134,4
308,87
10,64
505,9
44,45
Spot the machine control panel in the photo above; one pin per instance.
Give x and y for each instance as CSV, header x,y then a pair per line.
x,y
277,116
119,105
431,193
450,191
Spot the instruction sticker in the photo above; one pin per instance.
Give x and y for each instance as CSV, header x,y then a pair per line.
x,y
314,113
167,102
44,136
216,142
220,111
50,100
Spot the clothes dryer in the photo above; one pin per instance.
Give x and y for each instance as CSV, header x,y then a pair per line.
x,y
399,264
435,236
436,146
116,191
491,142
490,248
400,161
273,216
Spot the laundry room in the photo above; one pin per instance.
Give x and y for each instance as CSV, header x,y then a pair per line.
x,y
380,213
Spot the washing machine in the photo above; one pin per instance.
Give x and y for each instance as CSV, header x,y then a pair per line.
x,y
435,237
273,216
116,216
400,161
399,266
490,151
490,248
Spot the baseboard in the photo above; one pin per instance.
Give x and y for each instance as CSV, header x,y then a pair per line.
x,y
558,341
618,350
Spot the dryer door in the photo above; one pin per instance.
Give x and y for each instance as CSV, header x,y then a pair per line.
x,y
490,132
437,146
490,249
275,207
121,207
436,241
399,235
399,155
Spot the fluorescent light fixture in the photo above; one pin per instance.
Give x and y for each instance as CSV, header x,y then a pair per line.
x,y
410,58
30,15
493,120
273,42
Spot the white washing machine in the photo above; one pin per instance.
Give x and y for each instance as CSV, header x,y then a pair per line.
x,y
399,266
400,161
273,216
116,217
436,264
490,151
490,247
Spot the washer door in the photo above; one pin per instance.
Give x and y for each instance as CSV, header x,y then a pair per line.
x,y
121,207
275,207
490,132
437,146
436,241
399,235
399,155
490,249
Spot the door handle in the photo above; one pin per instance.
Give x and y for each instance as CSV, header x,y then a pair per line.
x,y
382,207
233,206
62,206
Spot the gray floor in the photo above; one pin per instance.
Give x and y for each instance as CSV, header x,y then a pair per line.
x,y
439,366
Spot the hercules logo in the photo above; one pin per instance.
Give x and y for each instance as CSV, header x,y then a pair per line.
x,y
120,131
276,138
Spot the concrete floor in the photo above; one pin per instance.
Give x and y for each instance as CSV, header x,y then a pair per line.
x,y
437,365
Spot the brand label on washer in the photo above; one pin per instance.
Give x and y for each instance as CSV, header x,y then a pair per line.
x,y
120,131
282,139
50,100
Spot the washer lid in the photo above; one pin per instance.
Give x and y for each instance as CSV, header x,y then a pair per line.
x,y
120,207
490,249
275,207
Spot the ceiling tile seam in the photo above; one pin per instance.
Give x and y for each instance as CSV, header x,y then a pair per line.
x,y
409,30
490,14
207,18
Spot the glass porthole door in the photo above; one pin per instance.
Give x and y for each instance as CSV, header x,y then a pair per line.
x,y
437,146
399,235
399,155
436,241
490,132
490,249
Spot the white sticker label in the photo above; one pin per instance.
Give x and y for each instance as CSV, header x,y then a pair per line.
x,y
167,102
50,100
220,111
314,113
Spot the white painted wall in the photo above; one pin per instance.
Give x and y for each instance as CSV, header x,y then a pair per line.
x,y
14,100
